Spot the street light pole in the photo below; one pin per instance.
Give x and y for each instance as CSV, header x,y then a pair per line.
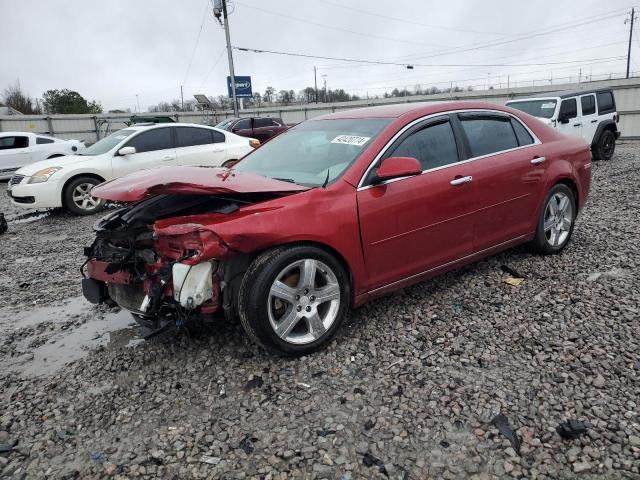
x,y
230,56
315,80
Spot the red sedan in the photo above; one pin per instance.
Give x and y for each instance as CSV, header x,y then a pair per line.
x,y
334,212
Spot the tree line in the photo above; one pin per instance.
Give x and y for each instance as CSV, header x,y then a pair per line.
x,y
52,102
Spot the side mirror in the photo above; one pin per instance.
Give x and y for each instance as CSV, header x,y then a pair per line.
x,y
563,118
126,151
395,167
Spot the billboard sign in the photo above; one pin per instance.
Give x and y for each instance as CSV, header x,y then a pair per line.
x,y
243,86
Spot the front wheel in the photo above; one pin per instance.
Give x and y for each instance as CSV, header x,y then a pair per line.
x,y
606,145
556,221
77,196
292,300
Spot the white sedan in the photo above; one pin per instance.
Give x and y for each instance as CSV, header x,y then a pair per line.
x,y
18,149
67,181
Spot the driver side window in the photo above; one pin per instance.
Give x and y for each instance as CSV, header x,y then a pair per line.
x,y
152,140
434,146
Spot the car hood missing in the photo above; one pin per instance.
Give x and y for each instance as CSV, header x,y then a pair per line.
x,y
189,181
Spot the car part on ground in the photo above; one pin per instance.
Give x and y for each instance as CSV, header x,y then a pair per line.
x,y
332,214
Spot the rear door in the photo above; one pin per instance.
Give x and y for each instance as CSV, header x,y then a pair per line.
x,y
569,121
14,153
589,117
508,170
198,146
263,129
414,224
154,148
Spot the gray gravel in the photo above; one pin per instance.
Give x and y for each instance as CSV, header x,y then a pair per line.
x,y
407,390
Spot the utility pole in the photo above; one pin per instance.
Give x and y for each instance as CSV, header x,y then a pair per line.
x,y
324,76
181,99
315,81
633,17
138,103
230,55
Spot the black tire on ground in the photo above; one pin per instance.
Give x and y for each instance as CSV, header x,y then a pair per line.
x,y
606,146
68,197
543,241
254,302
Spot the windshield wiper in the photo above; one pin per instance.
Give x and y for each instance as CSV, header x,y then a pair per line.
x,y
290,180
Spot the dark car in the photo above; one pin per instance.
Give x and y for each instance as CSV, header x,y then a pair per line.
x,y
260,128
335,212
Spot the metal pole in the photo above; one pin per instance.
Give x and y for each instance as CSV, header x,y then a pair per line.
x,y
181,99
315,80
230,55
633,15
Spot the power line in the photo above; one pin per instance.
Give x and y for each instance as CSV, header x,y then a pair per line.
x,y
411,22
291,54
195,47
353,32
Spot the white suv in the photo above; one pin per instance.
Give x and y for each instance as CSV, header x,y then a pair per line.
x,y
590,114
67,181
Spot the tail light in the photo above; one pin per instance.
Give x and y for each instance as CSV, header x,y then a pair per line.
x,y
254,143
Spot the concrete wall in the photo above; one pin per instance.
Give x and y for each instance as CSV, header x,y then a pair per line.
x,y
92,127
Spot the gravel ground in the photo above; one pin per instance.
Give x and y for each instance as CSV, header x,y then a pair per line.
x,y
409,388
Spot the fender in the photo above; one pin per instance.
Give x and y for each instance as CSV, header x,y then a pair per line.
x,y
604,125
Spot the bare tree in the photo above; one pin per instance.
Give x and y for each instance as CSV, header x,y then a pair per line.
x,y
14,97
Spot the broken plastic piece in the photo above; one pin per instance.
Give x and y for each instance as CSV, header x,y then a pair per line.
x,y
572,428
370,460
502,424
513,281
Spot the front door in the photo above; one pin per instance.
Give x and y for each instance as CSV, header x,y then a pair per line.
x,y
154,148
569,121
14,153
414,224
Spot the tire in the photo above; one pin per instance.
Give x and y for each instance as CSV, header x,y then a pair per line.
x,y
606,146
302,323
76,194
555,229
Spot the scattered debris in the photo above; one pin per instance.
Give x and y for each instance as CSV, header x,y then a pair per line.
x,y
325,433
399,391
304,385
318,374
255,382
370,460
98,457
358,390
504,427
246,444
3,224
211,460
7,447
369,424
445,444
513,281
394,364
512,272
572,428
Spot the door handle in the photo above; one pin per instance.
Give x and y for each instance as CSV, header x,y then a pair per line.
x,y
456,182
594,121
577,124
167,158
538,160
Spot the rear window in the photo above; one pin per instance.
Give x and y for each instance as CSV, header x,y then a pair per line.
x,y
605,102
524,137
262,122
43,140
537,108
588,103
489,134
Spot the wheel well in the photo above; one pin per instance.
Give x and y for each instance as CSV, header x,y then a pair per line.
x,y
572,186
55,155
90,175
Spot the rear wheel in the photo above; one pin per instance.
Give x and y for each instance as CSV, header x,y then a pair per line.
x,y
556,221
606,145
77,196
292,300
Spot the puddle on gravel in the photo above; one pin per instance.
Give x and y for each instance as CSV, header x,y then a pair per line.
x,y
111,330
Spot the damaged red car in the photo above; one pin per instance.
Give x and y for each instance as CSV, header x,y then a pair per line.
x,y
332,213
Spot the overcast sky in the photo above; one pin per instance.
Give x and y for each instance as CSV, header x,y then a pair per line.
x,y
111,50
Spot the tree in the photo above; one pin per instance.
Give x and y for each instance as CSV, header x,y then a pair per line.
x,y
14,97
285,97
257,99
68,101
269,91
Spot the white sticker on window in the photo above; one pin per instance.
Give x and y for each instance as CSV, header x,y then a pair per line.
x,y
548,105
351,140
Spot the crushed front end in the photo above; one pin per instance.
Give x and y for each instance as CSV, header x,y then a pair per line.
x,y
164,273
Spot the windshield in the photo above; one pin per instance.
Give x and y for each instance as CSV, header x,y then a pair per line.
x,y
107,143
313,151
537,108
223,124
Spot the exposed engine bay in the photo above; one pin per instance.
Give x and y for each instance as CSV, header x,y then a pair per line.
x,y
171,274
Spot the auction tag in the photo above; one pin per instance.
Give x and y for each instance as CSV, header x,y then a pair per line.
x,y
548,105
351,140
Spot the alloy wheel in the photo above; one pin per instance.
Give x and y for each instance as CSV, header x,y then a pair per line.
x,y
303,301
82,197
558,219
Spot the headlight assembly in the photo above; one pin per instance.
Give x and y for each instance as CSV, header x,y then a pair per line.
x,y
43,175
